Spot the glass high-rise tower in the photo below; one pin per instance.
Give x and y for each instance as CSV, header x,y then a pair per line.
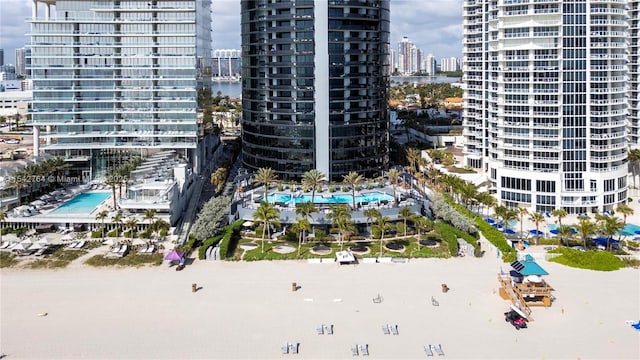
x,y
634,73
314,78
545,101
113,78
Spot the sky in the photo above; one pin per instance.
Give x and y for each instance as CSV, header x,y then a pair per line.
x,y
435,26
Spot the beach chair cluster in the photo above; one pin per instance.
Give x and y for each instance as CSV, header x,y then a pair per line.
x,y
388,329
325,329
148,249
118,251
290,347
360,349
429,349
76,245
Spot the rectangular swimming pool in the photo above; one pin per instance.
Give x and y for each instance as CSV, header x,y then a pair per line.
x,y
82,204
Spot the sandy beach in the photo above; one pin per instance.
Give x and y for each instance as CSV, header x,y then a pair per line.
x,y
248,310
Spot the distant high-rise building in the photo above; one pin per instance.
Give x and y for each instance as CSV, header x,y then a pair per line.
x,y
7,72
449,64
23,59
1,57
393,61
227,63
634,73
545,107
404,56
115,79
315,77
430,65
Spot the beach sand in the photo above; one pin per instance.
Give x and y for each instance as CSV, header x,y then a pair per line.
x,y
248,310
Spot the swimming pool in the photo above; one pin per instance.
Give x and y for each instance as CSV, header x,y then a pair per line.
x,y
630,230
82,204
330,198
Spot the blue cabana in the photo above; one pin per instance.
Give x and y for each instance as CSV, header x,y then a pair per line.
x,y
528,266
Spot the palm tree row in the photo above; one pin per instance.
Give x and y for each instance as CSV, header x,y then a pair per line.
x,y
42,175
119,176
155,225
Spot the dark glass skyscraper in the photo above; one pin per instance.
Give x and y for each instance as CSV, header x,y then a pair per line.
x,y
314,86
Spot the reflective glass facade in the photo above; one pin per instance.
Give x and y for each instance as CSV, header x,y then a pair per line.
x,y
114,77
545,107
315,79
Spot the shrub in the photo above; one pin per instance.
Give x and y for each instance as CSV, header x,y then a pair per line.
x,y
280,187
593,259
230,239
448,213
345,188
96,234
163,232
449,234
211,218
113,233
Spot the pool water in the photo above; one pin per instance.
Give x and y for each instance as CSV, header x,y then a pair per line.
x,y
630,229
330,199
82,204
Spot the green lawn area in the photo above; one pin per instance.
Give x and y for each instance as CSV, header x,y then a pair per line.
x,y
8,259
60,258
592,259
412,249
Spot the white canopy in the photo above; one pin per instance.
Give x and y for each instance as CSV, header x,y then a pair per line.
x,y
345,257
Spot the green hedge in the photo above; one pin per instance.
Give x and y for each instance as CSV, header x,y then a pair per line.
x,y
228,239
97,234
490,233
188,247
202,251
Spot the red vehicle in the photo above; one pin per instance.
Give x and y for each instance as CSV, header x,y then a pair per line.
x,y
518,321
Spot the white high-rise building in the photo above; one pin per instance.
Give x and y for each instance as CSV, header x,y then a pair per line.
x,y
23,57
634,74
545,107
227,63
449,64
430,65
404,56
115,78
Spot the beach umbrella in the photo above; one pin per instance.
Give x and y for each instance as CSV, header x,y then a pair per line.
x,y
554,231
43,241
10,237
26,241
18,246
637,232
509,231
490,220
247,223
174,255
36,246
535,232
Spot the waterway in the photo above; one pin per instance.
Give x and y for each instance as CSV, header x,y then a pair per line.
x,y
234,88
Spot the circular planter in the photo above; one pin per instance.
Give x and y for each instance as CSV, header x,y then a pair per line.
x,y
428,242
284,249
394,247
359,249
321,250
248,246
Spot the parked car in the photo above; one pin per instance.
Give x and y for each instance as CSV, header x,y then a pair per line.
x,y
518,321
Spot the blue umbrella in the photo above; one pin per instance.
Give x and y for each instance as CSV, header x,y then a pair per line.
x,y
535,232
508,231
637,232
497,226
491,221
554,231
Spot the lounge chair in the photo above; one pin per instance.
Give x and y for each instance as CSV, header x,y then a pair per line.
x,y
427,349
123,250
329,329
80,244
150,249
354,349
72,245
320,329
438,349
434,302
385,329
5,245
394,329
285,348
377,300
364,349
293,347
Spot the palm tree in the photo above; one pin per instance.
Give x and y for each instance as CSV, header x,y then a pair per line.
x,y
353,179
586,228
413,156
306,209
301,226
113,182
159,225
612,226
149,214
371,214
625,210
100,217
560,214
3,217
405,213
313,179
421,223
117,219
394,175
268,215
340,217
522,212
131,225
564,232
265,176
634,160
537,218
383,223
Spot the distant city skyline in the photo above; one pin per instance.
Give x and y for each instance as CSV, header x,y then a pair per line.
x,y
434,26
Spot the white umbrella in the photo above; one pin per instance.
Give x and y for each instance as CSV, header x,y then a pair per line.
x,y
138,241
10,237
26,241
17,246
44,241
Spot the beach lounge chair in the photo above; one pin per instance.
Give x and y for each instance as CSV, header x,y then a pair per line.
x,y
285,348
72,245
150,249
427,350
320,329
434,302
364,349
438,349
385,329
80,244
354,349
329,329
293,347
5,245
123,250
394,329
377,300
